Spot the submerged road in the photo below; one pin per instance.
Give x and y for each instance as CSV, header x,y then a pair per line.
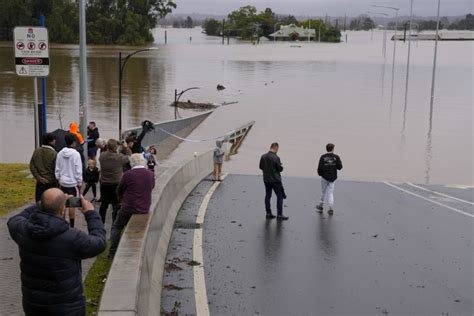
x,y
390,249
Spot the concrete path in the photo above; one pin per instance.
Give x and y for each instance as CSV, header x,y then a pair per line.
x,y
390,249
10,288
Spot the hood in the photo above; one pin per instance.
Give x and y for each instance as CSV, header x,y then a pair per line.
x,y
73,128
67,152
219,143
44,226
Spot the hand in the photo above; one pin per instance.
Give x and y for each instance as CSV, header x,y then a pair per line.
x,y
42,180
86,206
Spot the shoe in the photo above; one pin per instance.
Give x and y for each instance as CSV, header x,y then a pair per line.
x,y
319,207
282,218
331,212
270,216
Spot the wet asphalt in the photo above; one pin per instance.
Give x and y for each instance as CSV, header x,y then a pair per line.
x,y
384,252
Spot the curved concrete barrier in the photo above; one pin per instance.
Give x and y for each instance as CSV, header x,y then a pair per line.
x,y
134,282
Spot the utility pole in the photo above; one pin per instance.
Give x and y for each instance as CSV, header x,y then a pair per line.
x,y
434,60
223,33
408,61
345,18
83,71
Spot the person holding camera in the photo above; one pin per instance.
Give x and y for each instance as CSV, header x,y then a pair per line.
x,y
68,171
134,142
51,254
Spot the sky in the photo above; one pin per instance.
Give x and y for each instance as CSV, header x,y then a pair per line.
x,y
323,7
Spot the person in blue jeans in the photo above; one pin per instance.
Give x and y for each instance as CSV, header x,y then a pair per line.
x,y
271,167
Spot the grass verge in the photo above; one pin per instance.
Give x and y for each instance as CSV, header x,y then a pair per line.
x,y
95,281
15,188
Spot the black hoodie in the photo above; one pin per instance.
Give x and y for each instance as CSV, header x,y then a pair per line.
x,y
51,254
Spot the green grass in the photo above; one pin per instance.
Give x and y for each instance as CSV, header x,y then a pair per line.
x,y
15,188
95,281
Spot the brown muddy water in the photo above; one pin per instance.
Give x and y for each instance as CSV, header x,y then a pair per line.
x,y
302,95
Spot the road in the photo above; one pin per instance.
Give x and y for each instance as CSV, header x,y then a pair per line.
x,y
390,249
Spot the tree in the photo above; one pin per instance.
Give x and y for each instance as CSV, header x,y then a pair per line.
x,y
362,22
242,22
188,23
465,24
212,27
317,25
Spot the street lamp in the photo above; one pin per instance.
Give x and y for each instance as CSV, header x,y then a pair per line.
x,y
176,99
384,44
394,44
274,29
122,63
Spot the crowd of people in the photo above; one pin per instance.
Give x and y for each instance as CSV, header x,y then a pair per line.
x,y
51,249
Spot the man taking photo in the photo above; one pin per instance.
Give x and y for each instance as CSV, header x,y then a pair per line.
x,y
51,254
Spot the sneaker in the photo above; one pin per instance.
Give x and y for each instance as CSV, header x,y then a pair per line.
x,y
319,207
331,212
270,216
282,218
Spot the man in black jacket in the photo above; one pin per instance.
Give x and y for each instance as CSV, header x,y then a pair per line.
x,y
328,166
51,255
271,166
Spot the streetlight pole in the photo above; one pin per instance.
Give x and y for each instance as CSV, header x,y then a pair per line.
x,y
122,63
434,60
394,45
408,65
83,103
384,44
177,96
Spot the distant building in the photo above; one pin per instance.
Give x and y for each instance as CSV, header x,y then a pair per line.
x,y
293,33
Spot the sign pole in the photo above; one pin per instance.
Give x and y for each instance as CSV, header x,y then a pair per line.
x,y
83,103
43,92
37,132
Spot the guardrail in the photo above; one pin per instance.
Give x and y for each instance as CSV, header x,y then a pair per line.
x,y
237,137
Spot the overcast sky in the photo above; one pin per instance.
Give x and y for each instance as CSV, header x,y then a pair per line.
x,y
322,7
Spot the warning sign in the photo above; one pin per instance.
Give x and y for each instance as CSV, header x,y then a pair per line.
x,y
31,51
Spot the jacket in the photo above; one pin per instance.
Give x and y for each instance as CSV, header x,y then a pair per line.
x,y
91,176
68,168
219,153
271,166
74,129
43,163
328,165
92,136
51,254
111,167
135,190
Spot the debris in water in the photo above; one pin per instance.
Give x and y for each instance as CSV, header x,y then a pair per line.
x,y
220,87
375,236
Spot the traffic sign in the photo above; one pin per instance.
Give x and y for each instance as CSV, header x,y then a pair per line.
x,y
31,51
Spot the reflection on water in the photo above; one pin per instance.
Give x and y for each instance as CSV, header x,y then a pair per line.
x,y
327,237
272,247
301,97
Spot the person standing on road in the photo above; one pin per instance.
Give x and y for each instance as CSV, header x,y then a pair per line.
x,y
111,164
328,166
135,192
68,171
42,165
92,137
51,254
218,161
271,166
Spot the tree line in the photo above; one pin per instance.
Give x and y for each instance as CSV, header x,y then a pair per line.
x,y
123,22
247,23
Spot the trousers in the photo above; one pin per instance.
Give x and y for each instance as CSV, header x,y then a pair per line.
x,y
327,190
277,187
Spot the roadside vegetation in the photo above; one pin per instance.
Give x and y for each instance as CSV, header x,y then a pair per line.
x,y
15,188
95,282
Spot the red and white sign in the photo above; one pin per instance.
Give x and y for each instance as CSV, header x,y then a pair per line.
x,y
31,51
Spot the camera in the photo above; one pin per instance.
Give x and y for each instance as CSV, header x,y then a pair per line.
x,y
73,202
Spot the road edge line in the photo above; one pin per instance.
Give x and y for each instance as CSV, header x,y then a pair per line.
x,y
439,193
200,292
426,199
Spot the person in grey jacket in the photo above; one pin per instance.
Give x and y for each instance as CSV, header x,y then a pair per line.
x,y
218,161
271,166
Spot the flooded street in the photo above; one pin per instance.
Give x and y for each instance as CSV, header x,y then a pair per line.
x,y
301,95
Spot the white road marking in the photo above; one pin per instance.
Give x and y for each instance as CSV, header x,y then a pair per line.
x,y
429,200
439,193
200,293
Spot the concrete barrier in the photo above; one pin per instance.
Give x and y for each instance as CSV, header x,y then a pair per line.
x,y
134,282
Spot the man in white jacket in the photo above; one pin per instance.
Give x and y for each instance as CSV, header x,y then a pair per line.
x,y
68,171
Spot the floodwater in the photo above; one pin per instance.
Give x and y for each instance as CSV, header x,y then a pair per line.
x,y
302,95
